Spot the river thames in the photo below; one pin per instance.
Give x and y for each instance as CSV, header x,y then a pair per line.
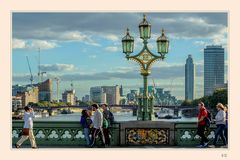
x,y
120,116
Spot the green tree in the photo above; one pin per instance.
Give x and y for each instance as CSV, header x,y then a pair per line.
x,y
186,103
219,96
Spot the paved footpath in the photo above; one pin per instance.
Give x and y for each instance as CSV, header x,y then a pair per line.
x,y
115,147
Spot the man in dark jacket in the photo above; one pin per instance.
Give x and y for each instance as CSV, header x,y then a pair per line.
x,y
108,116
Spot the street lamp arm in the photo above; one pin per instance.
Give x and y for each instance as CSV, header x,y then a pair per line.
x,y
145,58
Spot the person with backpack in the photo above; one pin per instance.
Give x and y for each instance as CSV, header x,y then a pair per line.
x,y
220,120
97,126
107,122
86,123
202,115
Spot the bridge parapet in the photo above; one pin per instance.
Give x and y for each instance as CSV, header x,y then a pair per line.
x,y
123,134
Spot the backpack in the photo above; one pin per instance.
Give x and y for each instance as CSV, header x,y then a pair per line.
x,y
111,117
208,119
88,122
105,123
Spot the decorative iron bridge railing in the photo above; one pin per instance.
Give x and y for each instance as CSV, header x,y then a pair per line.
x,y
123,134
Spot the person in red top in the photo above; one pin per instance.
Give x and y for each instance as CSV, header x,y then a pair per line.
x,y
202,124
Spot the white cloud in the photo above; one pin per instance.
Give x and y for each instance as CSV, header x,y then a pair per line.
x,y
58,67
47,39
112,49
125,69
34,44
221,38
77,36
73,35
200,43
112,37
18,43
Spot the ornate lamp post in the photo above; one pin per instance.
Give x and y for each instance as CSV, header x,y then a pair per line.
x,y
145,58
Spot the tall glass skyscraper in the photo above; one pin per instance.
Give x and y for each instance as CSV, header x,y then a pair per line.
x,y
213,68
189,78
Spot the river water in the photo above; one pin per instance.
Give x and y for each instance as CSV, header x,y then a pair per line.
x,y
121,116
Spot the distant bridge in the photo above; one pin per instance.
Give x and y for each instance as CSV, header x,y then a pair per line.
x,y
112,106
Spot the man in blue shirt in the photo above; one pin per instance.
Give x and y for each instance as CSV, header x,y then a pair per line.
x,y
27,128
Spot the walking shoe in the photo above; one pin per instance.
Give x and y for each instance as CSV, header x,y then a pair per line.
x,y
205,144
17,146
34,147
199,146
212,146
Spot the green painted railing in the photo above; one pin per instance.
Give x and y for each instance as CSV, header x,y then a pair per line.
x,y
69,133
60,133
185,134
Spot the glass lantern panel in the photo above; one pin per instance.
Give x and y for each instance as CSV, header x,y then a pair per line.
x,y
124,45
132,46
147,32
141,32
167,46
129,47
158,47
163,47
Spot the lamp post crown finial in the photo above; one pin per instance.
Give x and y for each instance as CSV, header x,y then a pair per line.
x,y
163,31
127,33
144,17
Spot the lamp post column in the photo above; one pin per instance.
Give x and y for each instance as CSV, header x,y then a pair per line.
x,y
145,58
145,98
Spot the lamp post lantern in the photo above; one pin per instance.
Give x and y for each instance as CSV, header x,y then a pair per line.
x,y
145,58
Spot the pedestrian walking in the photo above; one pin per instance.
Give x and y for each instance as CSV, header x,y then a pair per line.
x,y
27,131
202,115
86,123
107,122
226,127
97,126
220,120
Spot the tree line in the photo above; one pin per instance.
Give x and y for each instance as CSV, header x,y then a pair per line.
x,y
218,96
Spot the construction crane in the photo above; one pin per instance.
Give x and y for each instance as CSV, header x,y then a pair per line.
x,y
29,67
153,86
42,73
39,66
57,82
71,85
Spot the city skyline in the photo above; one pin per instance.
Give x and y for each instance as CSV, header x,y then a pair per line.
x,y
76,48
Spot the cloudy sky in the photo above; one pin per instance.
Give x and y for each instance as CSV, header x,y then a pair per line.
x,y
86,48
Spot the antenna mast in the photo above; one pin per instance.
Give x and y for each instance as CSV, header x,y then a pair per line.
x,y
57,82
29,67
39,69
71,85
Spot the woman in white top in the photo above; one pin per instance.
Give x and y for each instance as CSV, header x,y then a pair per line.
x,y
27,128
220,120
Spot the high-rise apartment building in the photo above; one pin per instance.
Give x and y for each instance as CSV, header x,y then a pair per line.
x,y
213,68
45,90
29,95
69,96
189,78
105,94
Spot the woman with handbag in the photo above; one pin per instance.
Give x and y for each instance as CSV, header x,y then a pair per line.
x,y
220,120
27,131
